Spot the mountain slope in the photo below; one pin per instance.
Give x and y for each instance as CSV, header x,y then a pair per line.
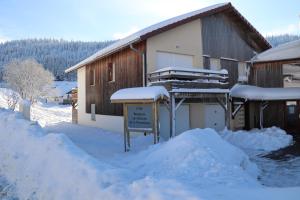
x,y
55,55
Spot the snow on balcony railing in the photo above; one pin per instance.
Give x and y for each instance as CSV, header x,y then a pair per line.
x,y
184,74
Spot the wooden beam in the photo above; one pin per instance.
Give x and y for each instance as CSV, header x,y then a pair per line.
x,y
172,115
126,131
179,103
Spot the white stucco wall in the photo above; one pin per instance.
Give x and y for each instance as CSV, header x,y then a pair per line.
x,y
108,122
185,39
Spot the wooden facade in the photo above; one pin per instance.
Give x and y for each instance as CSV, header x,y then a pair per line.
x,y
223,39
128,73
267,74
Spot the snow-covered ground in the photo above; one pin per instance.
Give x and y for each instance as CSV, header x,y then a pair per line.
x,y
60,160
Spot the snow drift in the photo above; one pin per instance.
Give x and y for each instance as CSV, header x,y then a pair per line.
x,y
268,139
50,166
200,157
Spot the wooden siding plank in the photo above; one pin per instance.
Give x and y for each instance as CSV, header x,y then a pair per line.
x,y
128,73
222,38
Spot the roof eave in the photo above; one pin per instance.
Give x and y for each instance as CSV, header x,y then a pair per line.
x,y
87,61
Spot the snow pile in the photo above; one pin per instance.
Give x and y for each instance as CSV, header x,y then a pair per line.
x,y
44,114
268,139
48,113
49,166
200,157
140,93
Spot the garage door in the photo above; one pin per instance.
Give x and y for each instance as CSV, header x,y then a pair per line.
x,y
165,59
214,116
182,120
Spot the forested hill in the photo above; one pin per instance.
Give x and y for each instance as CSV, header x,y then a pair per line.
x,y
55,55
280,39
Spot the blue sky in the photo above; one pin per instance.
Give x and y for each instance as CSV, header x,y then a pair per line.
x,y
97,20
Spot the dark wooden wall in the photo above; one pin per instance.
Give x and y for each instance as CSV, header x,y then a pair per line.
x,y
274,114
221,38
128,73
266,74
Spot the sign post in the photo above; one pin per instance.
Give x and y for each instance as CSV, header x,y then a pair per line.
x,y
141,110
140,117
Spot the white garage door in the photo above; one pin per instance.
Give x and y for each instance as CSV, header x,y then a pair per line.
x,y
214,117
165,59
182,120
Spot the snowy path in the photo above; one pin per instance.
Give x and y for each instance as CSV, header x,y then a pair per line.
x,y
97,142
278,173
7,191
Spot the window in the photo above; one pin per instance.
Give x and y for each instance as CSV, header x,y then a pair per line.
x,y
206,61
215,64
243,72
111,72
92,76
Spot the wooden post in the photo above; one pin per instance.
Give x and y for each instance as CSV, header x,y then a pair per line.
x,y
126,132
228,112
157,121
172,115
154,122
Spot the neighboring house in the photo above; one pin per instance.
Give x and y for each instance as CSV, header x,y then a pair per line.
x,y
278,67
214,38
61,92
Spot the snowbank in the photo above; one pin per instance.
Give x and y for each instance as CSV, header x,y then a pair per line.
x,y
268,139
200,157
197,164
49,166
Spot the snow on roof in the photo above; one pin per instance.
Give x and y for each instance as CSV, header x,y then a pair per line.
x,y
258,93
195,90
192,69
141,93
137,36
285,51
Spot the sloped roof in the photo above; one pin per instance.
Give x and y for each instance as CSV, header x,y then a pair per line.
x,y
287,51
169,24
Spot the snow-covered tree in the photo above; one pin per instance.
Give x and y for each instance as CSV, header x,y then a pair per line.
x,y
12,99
28,78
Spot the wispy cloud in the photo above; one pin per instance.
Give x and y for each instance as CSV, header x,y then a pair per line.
x,y
289,29
121,35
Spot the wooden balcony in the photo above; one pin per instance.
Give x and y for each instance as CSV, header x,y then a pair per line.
x,y
172,78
